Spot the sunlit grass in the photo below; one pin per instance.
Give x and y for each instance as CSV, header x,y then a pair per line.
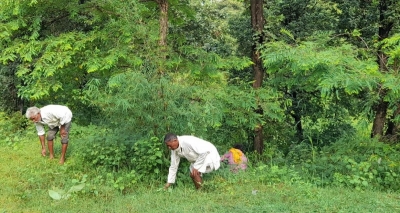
x,y
26,178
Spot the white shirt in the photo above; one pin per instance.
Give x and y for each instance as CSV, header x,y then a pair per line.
x,y
53,116
198,152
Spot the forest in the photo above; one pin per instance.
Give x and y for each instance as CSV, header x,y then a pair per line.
x,y
311,88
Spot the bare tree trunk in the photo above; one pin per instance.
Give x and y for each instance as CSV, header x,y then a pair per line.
x,y
163,5
296,115
380,118
382,106
393,127
257,22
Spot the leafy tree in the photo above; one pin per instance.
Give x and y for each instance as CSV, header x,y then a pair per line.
x,y
257,23
366,24
315,76
387,22
57,48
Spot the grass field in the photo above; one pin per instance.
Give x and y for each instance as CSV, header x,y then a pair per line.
x,y
26,179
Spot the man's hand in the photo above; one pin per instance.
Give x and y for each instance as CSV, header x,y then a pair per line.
x,y
63,133
195,173
43,152
167,186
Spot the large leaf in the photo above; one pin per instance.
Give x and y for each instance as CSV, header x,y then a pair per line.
x,y
55,195
76,188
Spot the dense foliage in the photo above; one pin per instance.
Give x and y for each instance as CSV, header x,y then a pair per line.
x,y
331,81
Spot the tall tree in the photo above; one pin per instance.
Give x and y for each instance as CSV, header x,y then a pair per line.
x,y
257,23
58,47
386,25
293,22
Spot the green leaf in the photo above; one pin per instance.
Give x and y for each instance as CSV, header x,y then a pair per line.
x,y
76,188
55,195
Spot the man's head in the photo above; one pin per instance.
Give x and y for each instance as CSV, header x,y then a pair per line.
x,y
33,114
171,140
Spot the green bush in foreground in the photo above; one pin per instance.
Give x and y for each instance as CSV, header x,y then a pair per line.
x,y
31,183
12,125
356,163
122,162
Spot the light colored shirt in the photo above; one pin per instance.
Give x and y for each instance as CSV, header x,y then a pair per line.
x,y
53,116
200,153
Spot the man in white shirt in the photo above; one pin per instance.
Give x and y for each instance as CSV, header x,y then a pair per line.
x,y
202,155
58,118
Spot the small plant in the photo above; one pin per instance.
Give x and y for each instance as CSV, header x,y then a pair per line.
x,y
122,181
148,159
58,194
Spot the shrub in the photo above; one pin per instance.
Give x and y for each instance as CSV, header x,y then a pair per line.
x,y
274,174
11,126
361,164
148,160
119,159
104,150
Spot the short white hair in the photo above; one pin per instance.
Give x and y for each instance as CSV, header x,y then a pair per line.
x,y
31,111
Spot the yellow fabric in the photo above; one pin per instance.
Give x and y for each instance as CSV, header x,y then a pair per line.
x,y
236,154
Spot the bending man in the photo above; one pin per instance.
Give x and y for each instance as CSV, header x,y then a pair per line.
x,y
58,118
202,155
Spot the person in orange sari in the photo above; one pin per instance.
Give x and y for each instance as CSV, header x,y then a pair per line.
x,y
235,158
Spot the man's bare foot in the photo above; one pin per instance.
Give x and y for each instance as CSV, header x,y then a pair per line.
x,y
51,157
62,160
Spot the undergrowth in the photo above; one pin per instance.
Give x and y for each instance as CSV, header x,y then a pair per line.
x,y
130,178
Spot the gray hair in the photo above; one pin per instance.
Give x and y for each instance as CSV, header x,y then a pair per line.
x,y
31,111
170,137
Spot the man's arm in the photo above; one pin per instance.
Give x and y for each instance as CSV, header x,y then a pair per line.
x,y
167,185
173,169
41,133
42,142
63,133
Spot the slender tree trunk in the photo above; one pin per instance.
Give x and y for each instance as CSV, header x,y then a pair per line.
x,y
393,127
382,106
380,117
297,118
257,22
163,6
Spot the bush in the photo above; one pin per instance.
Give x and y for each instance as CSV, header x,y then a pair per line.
x,y
275,174
148,159
121,160
360,164
103,149
11,126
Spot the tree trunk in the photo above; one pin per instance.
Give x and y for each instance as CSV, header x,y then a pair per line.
x,y
382,106
380,118
296,115
163,5
257,22
393,127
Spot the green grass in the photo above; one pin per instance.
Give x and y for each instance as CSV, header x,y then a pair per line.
x,y
26,178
